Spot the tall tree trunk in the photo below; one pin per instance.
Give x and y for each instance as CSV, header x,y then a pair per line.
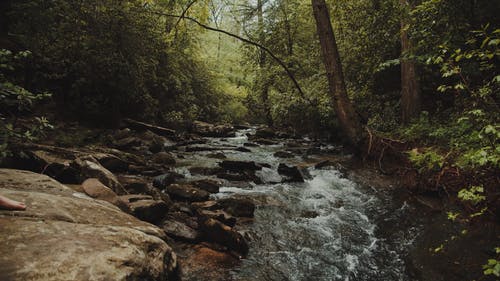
x,y
346,114
410,88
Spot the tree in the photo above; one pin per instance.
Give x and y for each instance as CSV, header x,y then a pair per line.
x,y
346,114
410,89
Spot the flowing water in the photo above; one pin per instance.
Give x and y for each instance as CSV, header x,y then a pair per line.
x,y
327,228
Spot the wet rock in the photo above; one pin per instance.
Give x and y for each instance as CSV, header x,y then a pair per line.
x,y
111,162
211,130
237,166
283,154
166,179
52,164
208,262
127,143
206,205
145,207
242,176
218,155
209,185
265,133
243,149
238,207
291,173
123,133
64,237
251,144
206,171
215,231
91,168
309,214
186,192
164,158
180,231
265,141
324,164
219,215
155,129
95,189
242,127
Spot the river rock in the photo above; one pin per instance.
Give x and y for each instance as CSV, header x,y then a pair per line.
x,y
180,231
210,130
265,141
164,158
243,176
217,155
265,133
206,171
166,179
61,236
111,162
238,207
209,185
95,189
237,166
55,165
187,192
243,149
251,144
145,207
291,173
219,215
215,231
91,168
127,143
283,154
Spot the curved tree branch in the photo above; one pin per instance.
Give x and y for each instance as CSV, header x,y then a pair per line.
x,y
279,61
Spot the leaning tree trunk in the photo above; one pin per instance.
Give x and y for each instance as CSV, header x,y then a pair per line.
x,y
346,114
410,89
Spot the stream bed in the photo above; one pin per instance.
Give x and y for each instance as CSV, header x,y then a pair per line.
x,y
327,228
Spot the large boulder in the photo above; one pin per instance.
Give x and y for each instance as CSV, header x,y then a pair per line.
x,y
209,185
238,207
164,158
215,231
237,166
211,130
265,133
95,189
290,173
186,192
145,207
91,168
162,181
111,162
180,231
63,235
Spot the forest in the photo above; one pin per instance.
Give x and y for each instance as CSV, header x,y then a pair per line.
x,y
407,89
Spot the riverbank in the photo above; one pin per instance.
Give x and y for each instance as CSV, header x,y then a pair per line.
x,y
237,204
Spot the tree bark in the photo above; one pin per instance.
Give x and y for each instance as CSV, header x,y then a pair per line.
x,y
346,114
410,88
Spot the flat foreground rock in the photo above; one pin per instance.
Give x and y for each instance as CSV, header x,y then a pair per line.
x,y
65,235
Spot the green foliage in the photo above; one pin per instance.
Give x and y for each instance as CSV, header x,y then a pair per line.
x,y
15,100
428,160
104,60
493,265
474,194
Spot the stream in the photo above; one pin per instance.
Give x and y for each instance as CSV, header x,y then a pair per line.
x,y
327,228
